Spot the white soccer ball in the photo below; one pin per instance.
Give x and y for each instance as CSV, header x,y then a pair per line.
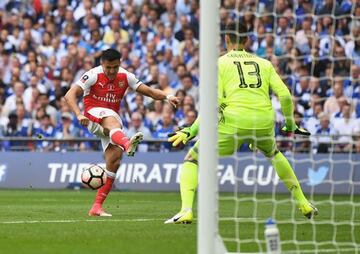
x,y
94,177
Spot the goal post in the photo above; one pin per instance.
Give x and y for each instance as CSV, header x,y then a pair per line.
x,y
208,239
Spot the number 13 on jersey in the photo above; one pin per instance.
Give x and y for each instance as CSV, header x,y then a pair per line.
x,y
255,72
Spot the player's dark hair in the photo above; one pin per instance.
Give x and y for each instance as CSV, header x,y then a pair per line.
x,y
236,32
110,55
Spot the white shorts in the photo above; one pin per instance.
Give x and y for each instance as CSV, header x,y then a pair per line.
x,y
100,113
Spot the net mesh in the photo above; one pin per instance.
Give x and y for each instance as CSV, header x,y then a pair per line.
x,y
315,47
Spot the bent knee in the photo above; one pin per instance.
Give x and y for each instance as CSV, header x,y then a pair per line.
x,y
190,158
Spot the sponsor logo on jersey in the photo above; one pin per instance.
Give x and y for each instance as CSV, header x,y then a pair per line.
x,y
101,84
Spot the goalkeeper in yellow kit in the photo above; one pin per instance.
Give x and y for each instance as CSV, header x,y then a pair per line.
x,y
246,116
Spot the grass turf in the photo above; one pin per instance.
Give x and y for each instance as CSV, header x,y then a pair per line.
x,y
64,226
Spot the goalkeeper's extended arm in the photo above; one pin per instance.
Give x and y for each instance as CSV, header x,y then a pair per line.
x,y
185,134
287,108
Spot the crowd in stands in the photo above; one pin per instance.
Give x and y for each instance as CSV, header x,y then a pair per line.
x,y
46,45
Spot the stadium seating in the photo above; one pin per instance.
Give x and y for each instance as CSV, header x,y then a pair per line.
x,y
48,45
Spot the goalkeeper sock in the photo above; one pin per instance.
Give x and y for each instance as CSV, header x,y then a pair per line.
x,y
188,184
287,175
118,137
104,190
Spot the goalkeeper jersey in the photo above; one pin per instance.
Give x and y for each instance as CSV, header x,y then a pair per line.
x,y
244,83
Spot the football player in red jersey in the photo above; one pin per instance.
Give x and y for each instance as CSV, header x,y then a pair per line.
x,y
102,89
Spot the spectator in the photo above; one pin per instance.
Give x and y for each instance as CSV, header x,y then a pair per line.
x,y
332,103
168,42
312,123
18,95
353,89
65,130
189,88
189,119
136,126
341,64
304,36
28,93
115,31
180,35
326,131
41,76
302,93
44,129
317,88
183,7
352,47
155,113
164,84
97,45
346,126
43,102
47,50
165,126
180,73
328,8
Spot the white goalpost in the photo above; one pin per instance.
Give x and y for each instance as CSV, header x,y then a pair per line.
x,y
208,240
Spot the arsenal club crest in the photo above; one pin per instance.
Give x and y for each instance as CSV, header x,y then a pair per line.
x,y
121,83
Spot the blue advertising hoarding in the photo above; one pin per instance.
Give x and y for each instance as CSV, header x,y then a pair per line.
x,y
244,172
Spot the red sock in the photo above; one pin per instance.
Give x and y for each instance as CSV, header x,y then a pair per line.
x,y
104,191
119,138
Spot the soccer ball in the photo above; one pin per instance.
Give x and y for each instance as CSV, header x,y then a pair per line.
x,y
94,177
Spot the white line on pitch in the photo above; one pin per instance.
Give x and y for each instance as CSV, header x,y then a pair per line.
x,y
75,221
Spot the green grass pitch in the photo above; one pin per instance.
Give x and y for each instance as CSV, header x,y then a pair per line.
x,y
34,221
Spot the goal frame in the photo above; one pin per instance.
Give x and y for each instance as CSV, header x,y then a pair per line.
x,y
208,238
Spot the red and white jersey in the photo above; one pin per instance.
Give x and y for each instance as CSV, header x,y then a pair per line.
x,y
99,91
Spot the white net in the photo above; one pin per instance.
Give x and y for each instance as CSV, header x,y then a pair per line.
x,y
315,47
331,181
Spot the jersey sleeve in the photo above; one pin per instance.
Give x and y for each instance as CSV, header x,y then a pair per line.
x,y
221,91
133,82
87,80
276,84
283,93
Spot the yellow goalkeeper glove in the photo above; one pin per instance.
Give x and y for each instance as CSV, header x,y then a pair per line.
x,y
299,131
180,136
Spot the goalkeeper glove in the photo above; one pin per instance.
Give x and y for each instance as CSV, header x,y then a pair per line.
x,y
300,131
181,136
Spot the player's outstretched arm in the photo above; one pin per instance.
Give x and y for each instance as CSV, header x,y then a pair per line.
x,y
157,94
71,99
287,106
184,135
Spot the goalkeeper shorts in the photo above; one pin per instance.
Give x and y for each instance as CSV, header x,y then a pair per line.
x,y
230,140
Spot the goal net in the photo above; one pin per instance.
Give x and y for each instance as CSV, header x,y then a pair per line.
x,y
315,47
